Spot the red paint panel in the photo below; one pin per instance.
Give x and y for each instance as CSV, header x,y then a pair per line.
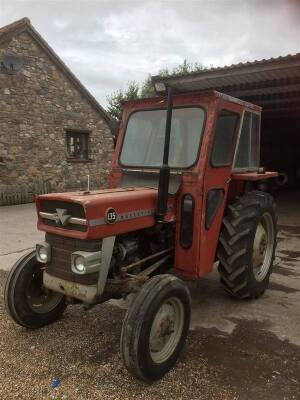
x,y
215,178
199,259
187,261
97,202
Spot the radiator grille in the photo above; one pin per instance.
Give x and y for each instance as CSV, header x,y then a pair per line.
x,y
74,209
60,264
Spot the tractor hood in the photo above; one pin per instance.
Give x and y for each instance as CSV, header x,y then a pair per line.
x,y
100,213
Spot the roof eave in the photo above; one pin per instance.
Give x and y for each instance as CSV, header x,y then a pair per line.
x,y
25,25
288,61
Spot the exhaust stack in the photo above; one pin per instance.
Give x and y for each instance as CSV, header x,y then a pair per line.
x,y
164,173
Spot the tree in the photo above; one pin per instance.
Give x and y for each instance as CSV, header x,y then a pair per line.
x,y
116,99
186,68
146,88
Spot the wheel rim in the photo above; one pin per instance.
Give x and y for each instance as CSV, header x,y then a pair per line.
x,y
263,247
166,330
40,299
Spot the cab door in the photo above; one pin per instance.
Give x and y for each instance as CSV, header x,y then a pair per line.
x,y
216,182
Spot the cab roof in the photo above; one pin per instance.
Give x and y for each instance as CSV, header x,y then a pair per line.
x,y
211,93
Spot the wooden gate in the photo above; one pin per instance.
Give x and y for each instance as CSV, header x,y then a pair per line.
x,y
22,193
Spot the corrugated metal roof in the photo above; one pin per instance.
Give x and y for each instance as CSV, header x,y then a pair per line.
x,y
255,63
278,78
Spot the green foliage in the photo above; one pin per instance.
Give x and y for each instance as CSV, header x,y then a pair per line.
x,y
181,69
186,68
146,88
116,99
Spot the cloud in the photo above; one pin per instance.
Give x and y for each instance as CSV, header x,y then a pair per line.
x,y
106,43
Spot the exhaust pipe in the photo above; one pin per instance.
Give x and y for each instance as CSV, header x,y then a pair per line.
x,y
164,173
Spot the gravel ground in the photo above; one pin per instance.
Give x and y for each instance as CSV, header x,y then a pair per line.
x,y
235,350
82,350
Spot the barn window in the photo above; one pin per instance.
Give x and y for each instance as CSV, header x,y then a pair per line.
x,y
77,145
247,156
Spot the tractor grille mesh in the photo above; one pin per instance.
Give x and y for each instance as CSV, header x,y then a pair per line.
x,y
60,264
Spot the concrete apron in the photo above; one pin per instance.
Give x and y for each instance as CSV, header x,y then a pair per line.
x,y
278,310
18,233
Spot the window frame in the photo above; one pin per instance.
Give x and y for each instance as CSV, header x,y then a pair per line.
x,y
164,109
86,134
249,168
236,135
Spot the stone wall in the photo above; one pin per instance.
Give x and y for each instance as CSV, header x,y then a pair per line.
x,y
37,105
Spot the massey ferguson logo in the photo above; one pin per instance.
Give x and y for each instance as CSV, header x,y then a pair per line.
x,y
62,217
111,216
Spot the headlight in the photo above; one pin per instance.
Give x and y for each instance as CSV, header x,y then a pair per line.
x,y
84,262
43,252
160,87
78,265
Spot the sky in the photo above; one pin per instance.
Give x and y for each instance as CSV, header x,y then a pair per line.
x,y
107,43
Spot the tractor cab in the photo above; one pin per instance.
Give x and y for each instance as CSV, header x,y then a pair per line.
x,y
213,157
185,193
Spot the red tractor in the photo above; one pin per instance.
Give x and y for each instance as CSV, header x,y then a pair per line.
x,y
183,195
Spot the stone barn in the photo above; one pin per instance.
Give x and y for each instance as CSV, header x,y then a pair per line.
x,y
53,133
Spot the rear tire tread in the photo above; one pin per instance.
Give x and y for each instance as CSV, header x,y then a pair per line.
x,y
235,246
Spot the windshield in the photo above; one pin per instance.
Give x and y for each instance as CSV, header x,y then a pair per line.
x,y
143,143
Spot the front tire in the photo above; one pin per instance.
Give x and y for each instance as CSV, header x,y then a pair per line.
x,y
27,302
247,245
155,327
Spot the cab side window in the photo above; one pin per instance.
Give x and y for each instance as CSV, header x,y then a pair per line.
x,y
224,138
247,156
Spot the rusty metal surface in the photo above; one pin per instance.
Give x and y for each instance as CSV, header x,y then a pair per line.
x,y
253,176
148,271
140,262
86,293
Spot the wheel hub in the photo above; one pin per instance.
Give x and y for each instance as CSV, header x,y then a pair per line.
x,y
163,327
263,247
260,246
166,330
40,299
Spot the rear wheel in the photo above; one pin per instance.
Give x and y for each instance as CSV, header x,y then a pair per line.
x,y
155,327
247,245
27,301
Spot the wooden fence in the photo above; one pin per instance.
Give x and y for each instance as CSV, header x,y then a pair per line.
x,y
23,193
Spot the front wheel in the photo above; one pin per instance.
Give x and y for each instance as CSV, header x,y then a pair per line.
x,y
155,327
247,245
27,301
